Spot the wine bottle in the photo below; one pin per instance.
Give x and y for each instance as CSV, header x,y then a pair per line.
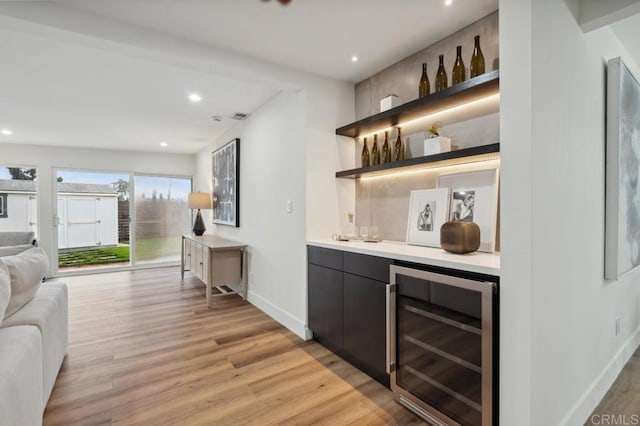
x,y
375,153
366,159
441,76
477,60
424,88
399,149
458,73
386,149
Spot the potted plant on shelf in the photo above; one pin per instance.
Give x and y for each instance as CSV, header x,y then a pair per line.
x,y
434,143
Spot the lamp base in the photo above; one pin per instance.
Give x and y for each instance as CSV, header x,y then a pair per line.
x,y
198,225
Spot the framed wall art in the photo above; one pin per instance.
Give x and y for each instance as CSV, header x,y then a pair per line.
x,y
428,210
226,184
474,198
622,199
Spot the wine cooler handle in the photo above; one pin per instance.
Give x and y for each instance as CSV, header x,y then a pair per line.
x,y
391,327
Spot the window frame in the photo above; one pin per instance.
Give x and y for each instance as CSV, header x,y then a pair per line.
x,y
4,207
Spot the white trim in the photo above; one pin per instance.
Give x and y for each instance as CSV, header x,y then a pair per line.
x,y
280,315
590,399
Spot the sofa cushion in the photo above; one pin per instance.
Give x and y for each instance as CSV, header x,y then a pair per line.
x,y
5,289
16,238
20,376
48,311
13,250
27,270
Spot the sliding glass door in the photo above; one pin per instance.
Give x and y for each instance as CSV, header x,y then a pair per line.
x,y
92,220
161,216
119,220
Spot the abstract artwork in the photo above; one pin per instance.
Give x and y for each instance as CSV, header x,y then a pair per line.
x,y
226,184
622,215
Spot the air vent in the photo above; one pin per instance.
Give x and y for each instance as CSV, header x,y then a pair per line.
x,y
217,118
239,116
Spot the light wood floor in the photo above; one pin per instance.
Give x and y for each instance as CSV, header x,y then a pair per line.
x,y
145,351
623,398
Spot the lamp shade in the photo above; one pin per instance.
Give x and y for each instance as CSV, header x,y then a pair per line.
x,y
199,200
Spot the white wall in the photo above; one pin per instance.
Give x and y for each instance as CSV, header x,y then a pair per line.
x,y
553,167
288,152
46,159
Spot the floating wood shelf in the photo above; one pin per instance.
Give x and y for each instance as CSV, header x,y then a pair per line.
x,y
461,156
471,90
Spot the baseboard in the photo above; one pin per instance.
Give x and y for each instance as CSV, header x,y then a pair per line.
x,y
581,411
280,315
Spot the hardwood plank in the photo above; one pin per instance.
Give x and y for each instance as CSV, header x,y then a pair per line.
x,y
145,349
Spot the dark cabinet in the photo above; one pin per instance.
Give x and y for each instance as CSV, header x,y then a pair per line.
x,y
325,306
365,337
347,307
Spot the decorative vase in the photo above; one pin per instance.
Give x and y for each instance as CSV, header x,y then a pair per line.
x,y
460,237
437,145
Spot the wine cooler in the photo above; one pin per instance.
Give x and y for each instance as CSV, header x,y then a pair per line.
x,y
441,342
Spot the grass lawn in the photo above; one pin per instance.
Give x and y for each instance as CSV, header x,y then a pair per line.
x,y
146,250
94,256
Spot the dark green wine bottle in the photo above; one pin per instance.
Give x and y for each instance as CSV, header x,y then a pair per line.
x,y
366,159
386,149
375,153
477,60
441,76
458,75
424,88
399,149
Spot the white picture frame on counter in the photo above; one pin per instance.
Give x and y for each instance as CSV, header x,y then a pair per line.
x,y
474,198
428,211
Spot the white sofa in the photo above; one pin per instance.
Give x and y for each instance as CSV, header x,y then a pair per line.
x,y
33,344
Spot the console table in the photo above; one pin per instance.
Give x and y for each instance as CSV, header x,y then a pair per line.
x,y
216,261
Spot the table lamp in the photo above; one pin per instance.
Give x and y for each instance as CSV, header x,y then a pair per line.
x,y
199,200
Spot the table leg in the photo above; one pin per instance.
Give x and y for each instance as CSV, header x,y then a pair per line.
x,y
182,263
245,278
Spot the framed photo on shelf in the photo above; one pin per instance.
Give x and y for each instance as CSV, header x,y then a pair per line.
x,y
474,198
226,184
428,210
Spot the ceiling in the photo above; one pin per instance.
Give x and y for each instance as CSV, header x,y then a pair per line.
x,y
55,93
73,91
318,36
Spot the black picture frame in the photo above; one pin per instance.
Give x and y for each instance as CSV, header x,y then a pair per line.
x,y
226,184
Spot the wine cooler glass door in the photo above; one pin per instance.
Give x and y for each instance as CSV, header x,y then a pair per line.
x,y
443,345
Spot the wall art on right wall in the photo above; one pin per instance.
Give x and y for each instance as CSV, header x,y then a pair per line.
x,y
622,215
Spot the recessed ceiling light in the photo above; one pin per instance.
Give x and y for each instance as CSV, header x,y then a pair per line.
x,y
354,58
6,132
195,98
448,2
164,144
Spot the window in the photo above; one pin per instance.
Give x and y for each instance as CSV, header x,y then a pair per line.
x,y
3,206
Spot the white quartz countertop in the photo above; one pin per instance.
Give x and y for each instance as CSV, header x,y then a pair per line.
x,y
482,263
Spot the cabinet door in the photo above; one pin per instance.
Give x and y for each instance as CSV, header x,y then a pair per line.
x,y
187,254
192,259
325,308
206,258
365,325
